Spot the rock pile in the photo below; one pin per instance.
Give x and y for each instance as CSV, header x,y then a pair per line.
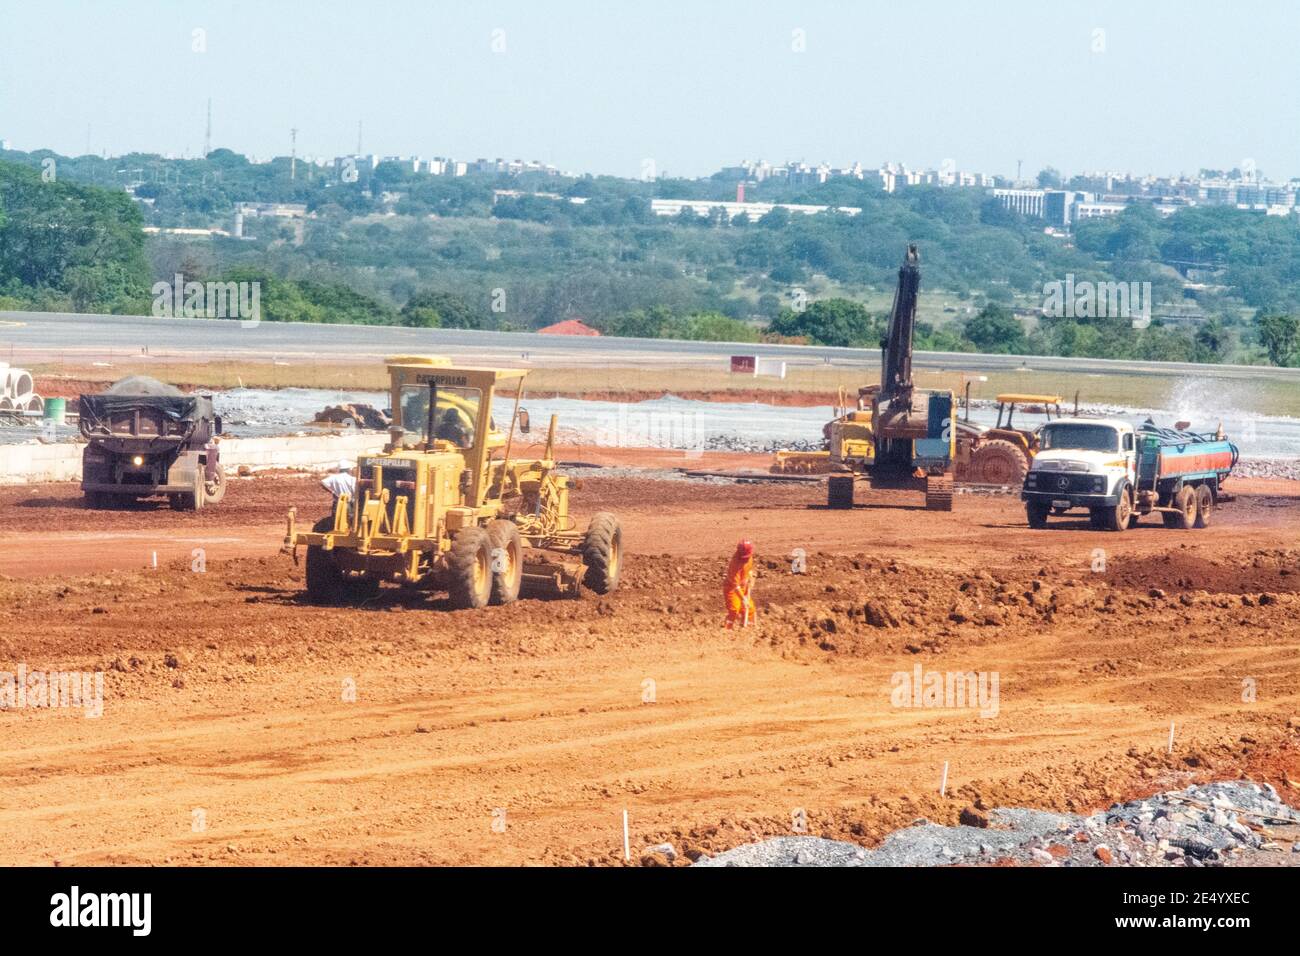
x,y
1204,825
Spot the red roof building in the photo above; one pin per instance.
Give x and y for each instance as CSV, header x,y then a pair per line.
x,y
568,327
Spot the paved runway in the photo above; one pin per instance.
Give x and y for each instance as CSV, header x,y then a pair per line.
x,y
38,337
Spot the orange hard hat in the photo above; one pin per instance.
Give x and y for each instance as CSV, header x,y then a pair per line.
x,y
745,548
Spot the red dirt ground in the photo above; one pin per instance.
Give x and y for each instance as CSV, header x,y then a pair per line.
x,y
225,690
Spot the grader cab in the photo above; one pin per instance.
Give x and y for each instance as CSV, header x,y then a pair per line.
x,y
449,506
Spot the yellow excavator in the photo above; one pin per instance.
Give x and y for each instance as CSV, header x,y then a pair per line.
x,y
898,435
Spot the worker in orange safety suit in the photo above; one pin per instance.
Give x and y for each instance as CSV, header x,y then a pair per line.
x,y
738,586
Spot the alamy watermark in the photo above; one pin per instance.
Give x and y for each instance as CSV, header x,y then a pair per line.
x,y
208,300
951,690
1086,299
631,427
67,689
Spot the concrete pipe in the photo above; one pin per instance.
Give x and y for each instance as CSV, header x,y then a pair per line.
x,y
6,404
36,404
18,384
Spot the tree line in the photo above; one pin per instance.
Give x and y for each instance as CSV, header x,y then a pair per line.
x,y
452,253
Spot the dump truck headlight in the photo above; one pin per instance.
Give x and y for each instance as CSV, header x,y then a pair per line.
x,y
138,460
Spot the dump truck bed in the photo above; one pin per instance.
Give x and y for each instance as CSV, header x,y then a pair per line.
x,y
140,423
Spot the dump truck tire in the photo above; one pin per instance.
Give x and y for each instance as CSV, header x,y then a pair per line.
x,y
215,490
189,500
1036,514
1185,501
839,491
998,462
1204,506
327,583
602,553
507,561
469,568
1119,517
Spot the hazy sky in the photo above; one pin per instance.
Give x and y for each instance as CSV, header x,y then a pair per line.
x,y
604,86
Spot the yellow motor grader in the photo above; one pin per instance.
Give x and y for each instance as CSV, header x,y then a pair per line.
x,y
448,506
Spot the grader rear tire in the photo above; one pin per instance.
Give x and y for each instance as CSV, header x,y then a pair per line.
x,y
507,561
998,462
602,553
469,568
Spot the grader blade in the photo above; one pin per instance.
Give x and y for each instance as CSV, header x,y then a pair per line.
x,y
551,575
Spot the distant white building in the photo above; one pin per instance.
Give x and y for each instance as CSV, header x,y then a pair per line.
x,y
411,163
1097,210
1027,202
754,210
296,212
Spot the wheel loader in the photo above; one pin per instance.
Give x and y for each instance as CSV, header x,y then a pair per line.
x,y
449,506
1002,453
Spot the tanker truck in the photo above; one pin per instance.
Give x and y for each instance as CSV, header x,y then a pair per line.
x,y
1120,472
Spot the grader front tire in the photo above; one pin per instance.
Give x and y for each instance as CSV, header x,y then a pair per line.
x,y
602,552
327,583
469,569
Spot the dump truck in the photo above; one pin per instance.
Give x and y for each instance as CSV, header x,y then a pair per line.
x,y
146,438
901,436
449,506
1120,472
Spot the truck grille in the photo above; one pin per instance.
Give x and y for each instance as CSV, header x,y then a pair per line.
x,y
1065,484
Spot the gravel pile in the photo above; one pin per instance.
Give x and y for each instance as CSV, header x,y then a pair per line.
x,y
1204,825
1268,468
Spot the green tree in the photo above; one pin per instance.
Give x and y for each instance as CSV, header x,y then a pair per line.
x,y
996,329
716,327
639,323
440,310
81,242
1278,334
836,322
